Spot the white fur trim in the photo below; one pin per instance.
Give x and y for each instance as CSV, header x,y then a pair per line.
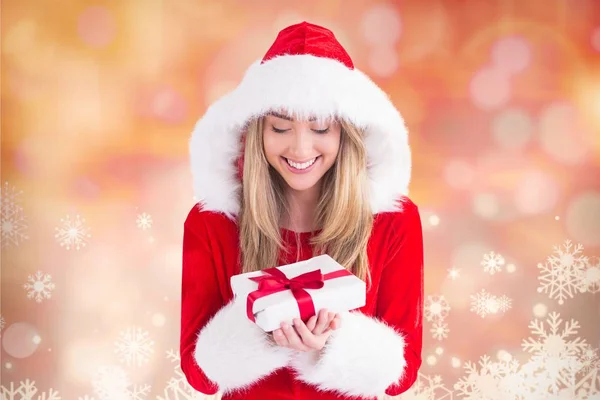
x,y
234,352
362,358
303,85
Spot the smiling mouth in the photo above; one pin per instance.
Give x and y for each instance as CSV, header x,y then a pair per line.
x,y
301,166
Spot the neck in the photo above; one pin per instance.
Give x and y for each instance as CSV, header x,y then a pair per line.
x,y
303,205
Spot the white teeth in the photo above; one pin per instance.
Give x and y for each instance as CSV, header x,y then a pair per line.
x,y
303,165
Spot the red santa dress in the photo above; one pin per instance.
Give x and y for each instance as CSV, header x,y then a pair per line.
x,y
377,349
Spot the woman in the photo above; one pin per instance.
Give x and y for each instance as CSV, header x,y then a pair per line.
x,y
307,155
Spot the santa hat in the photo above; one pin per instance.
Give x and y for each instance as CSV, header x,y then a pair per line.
x,y
306,72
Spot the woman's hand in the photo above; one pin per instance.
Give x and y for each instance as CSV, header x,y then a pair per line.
x,y
310,336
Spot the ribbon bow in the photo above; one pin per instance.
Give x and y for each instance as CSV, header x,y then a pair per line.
x,y
274,281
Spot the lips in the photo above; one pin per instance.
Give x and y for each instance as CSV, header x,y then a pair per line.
x,y
300,171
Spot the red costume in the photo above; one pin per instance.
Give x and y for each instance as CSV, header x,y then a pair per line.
x,y
377,349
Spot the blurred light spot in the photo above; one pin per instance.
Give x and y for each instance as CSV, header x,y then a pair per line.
x,y
557,218
434,220
490,88
381,25
439,351
454,273
169,106
456,362
510,268
18,340
36,339
512,129
540,310
583,219
96,26
431,360
384,61
596,39
485,205
158,320
504,355
459,174
561,134
511,54
536,193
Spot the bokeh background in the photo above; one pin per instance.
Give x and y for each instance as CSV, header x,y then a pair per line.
x,y
502,99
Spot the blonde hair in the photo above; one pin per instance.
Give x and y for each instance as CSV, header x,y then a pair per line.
x,y
343,210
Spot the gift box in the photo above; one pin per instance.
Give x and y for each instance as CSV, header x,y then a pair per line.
x,y
298,290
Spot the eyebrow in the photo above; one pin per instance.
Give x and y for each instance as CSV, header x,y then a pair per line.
x,y
287,117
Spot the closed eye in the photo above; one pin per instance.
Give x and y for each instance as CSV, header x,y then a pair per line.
x,y
321,131
279,130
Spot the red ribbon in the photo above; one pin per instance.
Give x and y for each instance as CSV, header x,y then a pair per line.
x,y
274,281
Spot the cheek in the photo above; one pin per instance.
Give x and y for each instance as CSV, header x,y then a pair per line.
x,y
330,145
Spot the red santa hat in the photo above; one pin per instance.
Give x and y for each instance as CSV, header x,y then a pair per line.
x,y
307,73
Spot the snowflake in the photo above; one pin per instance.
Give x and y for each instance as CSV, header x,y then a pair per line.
x,y
590,278
436,308
140,392
2,323
439,330
26,390
504,303
492,262
427,388
552,351
72,233
111,383
177,387
493,380
134,347
590,361
484,303
562,274
144,221
454,273
39,287
12,219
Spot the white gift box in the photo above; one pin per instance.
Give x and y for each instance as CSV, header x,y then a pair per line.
x,y
338,294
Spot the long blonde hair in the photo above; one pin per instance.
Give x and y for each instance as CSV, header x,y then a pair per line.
x,y
343,210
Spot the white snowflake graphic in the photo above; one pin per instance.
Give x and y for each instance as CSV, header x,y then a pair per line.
x,y
553,350
39,286
492,380
427,388
72,233
439,330
590,277
134,347
2,323
484,303
144,221
436,308
492,263
562,274
12,219
26,390
590,361
177,387
504,303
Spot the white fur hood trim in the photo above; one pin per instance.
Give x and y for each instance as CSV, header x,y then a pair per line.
x,y
303,85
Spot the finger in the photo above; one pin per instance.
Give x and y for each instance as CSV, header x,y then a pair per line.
x,y
312,322
335,324
307,337
293,338
322,322
280,338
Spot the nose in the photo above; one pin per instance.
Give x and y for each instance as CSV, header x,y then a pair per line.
x,y
302,144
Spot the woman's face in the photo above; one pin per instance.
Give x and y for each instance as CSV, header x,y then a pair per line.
x,y
300,151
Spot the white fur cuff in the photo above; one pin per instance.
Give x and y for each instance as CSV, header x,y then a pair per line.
x,y
234,352
362,358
